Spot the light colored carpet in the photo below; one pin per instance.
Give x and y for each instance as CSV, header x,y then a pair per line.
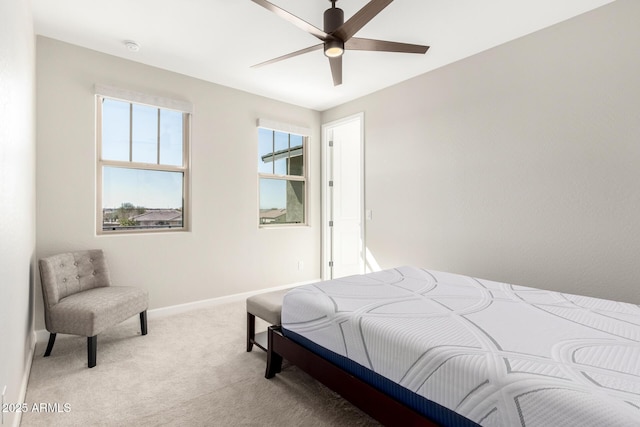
x,y
190,370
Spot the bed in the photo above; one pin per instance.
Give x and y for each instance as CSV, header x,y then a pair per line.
x,y
412,346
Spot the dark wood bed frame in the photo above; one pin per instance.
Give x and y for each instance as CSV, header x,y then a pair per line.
x,y
374,402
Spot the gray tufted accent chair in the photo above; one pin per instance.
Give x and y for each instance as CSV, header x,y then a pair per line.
x,y
79,299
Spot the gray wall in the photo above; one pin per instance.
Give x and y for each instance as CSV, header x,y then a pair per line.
x,y
519,164
17,197
225,253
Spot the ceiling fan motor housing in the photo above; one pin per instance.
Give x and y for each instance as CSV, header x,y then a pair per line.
x,y
333,18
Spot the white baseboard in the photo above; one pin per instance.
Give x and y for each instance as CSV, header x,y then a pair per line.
x,y
42,335
25,378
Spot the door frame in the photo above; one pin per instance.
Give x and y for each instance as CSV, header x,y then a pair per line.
x,y
327,207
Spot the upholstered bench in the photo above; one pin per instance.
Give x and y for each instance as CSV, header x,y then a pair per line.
x,y
268,307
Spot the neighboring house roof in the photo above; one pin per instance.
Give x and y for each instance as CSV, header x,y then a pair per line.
x,y
272,213
282,154
159,215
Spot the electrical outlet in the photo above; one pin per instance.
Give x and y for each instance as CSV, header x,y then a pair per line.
x,y
300,265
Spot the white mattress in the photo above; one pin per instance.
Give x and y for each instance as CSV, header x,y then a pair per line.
x,y
499,354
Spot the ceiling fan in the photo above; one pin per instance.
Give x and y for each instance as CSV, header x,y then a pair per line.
x,y
337,35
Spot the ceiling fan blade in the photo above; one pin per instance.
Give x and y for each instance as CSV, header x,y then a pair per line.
x,y
360,19
290,55
356,43
336,70
300,23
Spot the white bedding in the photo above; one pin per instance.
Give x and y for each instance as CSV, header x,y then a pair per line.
x,y
499,354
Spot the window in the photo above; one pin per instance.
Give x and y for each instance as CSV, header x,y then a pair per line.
x,y
282,175
142,169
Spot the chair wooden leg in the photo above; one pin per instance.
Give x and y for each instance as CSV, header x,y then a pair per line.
x,y
143,322
52,340
251,330
92,348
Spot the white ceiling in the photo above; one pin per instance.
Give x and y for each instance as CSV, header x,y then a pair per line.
x,y
218,40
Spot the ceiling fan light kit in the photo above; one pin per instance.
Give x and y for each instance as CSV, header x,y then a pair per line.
x,y
337,35
333,48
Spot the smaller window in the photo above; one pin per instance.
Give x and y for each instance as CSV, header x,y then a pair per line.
x,y
282,177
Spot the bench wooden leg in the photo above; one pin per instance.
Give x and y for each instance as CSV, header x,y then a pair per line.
x,y
251,330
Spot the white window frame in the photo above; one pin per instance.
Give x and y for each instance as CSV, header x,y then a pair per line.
x,y
291,130
106,92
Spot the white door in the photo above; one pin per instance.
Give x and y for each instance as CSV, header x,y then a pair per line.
x,y
343,228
